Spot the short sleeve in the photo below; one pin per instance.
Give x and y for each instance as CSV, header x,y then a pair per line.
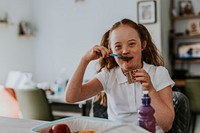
x,y
162,78
103,77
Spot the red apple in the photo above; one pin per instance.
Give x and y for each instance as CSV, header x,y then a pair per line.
x,y
60,128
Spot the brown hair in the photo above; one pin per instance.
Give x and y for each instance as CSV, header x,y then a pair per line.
x,y
150,54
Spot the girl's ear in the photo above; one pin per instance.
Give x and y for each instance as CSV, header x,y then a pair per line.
x,y
144,44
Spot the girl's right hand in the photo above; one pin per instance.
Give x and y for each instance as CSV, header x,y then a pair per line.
x,y
92,53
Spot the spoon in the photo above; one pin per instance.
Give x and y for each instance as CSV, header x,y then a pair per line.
x,y
117,55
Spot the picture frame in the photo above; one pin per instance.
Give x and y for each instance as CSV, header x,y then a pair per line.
x,y
25,28
193,27
174,12
189,50
185,7
146,12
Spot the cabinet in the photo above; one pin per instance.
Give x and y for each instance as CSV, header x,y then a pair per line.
x,y
184,39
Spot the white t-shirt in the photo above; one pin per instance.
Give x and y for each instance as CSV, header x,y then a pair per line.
x,y
124,99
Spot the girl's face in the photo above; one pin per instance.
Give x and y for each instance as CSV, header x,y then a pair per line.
x,y
125,41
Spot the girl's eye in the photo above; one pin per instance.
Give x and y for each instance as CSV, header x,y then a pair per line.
x,y
117,46
132,44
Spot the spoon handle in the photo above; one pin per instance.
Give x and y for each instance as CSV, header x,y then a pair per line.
x,y
112,55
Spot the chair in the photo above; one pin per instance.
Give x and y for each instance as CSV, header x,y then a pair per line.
x,y
181,122
34,104
192,91
181,107
100,105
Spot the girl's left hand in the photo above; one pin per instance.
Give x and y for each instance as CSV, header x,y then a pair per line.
x,y
140,75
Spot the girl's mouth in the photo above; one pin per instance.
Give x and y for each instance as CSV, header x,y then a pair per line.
x,y
127,58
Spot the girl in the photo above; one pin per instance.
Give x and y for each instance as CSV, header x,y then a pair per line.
x,y
140,58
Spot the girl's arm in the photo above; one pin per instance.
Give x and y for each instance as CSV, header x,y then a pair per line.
x,y
76,90
161,100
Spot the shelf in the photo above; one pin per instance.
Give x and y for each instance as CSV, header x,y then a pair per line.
x,y
181,35
179,82
192,16
187,36
26,36
195,60
5,23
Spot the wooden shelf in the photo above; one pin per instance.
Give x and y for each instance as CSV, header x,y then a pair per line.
x,y
179,82
187,36
6,23
195,60
192,16
26,36
183,24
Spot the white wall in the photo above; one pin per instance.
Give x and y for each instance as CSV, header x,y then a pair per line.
x,y
15,53
165,28
65,31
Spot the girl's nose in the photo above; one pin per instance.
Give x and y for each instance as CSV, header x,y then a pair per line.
x,y
125,50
